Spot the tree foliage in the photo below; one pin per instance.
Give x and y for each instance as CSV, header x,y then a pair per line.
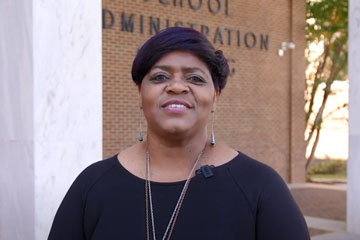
x,y
327,24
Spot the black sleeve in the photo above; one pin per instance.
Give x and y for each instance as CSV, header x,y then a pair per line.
x,y
278,216
68,221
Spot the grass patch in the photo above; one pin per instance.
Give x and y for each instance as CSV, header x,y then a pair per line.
x,y
329,169
341,176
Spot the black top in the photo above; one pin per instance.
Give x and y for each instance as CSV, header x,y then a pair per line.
x,y
243,200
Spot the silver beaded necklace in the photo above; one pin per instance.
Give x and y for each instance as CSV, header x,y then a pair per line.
x,y
148,199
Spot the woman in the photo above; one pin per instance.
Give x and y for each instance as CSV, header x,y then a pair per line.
x,y
178,183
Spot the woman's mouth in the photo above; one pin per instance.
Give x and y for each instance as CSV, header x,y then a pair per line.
x,y
176,106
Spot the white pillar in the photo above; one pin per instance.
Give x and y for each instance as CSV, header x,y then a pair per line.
x,y
16,121
51,85
353,195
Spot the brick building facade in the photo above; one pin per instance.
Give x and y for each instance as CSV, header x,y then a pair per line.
x,y
260,112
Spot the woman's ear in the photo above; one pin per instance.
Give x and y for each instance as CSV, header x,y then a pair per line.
x,y
139,100
140,103
216,95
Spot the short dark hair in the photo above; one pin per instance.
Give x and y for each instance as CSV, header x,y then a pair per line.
x,y
180,38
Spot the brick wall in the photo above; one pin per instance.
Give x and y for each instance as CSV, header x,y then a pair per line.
x,y
260,112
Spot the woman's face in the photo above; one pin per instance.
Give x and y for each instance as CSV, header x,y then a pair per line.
x,y
178,94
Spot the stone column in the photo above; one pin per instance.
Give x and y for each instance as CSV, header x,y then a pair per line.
x,y
51,87
16,121
353,194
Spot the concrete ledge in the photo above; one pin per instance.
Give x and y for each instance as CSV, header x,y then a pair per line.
x,y
340,187
325,224
337,236
328,181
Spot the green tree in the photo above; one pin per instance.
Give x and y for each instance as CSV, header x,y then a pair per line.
x,y
327,24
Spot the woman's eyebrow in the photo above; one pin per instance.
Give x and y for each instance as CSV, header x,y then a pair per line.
x,y
185,69
163,67
193,69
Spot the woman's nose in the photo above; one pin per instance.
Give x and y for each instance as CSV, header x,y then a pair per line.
x,y
177,85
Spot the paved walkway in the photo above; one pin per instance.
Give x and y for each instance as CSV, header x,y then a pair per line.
x,y
324,207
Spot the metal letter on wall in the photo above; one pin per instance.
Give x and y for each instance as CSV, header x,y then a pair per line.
x,y
218,36
230,31
196,8
248,43
155,25
265,41
181,3
127,24
205,30
219,6
106,25
164,2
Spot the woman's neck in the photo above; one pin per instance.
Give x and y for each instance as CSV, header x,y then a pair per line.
x,y
174,157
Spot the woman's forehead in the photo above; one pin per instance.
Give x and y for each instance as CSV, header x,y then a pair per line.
x,y
184,60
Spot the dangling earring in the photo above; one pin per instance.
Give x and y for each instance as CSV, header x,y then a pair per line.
x,y
141,137
213,141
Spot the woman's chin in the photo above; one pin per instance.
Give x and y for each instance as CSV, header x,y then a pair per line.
x,y
177,130
175,127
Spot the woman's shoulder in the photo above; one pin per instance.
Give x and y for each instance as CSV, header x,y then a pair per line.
x,y
254,176
95,171
245,163
269,199
258,182
100,166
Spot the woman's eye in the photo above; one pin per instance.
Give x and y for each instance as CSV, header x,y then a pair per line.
x,y
159,78
196,79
